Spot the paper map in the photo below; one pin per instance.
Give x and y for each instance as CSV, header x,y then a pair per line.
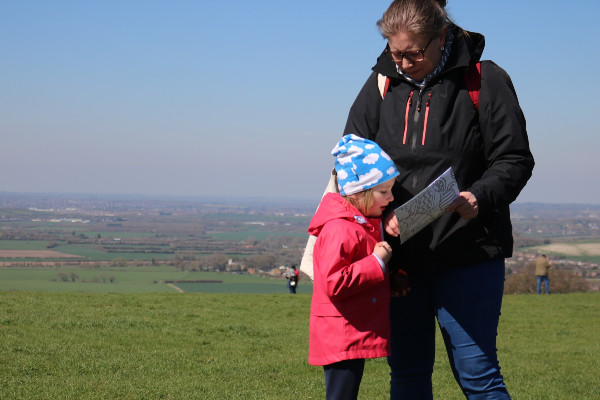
x,y
426,206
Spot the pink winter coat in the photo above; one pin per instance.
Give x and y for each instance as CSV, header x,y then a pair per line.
x,y
349,316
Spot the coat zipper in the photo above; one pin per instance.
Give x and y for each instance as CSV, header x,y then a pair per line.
x,y
408,104
416,120
426,118
416,124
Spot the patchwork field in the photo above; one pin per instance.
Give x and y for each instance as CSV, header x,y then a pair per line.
x,y
34,254
571,249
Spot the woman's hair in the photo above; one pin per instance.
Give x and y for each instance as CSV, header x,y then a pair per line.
x,y
362,201
423,17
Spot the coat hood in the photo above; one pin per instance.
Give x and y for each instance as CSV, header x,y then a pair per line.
x,y
467,49
333,206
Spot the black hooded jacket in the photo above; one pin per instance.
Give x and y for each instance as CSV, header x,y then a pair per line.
x,y
487,148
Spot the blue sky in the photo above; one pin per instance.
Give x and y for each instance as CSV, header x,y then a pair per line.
x,y
247,98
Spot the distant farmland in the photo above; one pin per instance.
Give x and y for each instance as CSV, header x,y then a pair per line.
x,y
34,254
572,249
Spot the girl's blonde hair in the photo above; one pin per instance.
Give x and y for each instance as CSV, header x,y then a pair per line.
x,y
362,201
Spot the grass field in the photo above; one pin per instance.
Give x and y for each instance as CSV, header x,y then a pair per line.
x,y
23,244
138,280
244,346
256,234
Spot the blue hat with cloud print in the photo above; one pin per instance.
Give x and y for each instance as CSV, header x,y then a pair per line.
x,y
361,164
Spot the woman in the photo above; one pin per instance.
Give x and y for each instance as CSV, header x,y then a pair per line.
x,y
426,120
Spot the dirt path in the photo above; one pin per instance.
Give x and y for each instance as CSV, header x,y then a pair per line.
x,y
175,287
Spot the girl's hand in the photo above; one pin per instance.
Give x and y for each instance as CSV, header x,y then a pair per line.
x,y
384,251
390,224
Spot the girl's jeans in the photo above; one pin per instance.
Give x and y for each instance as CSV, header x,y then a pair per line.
x,y
466,302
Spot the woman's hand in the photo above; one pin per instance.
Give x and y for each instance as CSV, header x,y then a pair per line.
x,y
465,205
390,224
399,284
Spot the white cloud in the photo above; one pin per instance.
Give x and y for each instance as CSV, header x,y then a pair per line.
x,y
355,151
371,158
371,177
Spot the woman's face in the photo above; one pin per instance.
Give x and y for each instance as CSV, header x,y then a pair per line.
x,y
408,48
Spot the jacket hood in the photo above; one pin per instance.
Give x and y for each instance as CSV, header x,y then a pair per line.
x,y
467,49
333,206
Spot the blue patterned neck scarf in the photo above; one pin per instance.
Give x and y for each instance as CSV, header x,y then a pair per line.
x,y
436,70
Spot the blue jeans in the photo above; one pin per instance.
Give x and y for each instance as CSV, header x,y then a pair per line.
x,y
540,279
466,302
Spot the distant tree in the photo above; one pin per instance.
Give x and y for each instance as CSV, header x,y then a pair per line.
x,y
180,263
63,277
251,241
265,260
119,262
216,260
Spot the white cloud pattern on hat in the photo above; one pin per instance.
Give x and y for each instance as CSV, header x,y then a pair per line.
x,y
361,164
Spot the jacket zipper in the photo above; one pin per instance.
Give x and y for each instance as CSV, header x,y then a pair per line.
x,y
416,120
408,104
426,118
416,124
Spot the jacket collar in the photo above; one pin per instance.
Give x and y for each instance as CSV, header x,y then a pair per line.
x,y
467,49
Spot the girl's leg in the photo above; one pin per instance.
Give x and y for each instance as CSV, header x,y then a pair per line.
x,y
468,302
413,343
342,379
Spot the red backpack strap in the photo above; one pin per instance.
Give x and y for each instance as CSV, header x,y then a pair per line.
x,y
473,81
383,83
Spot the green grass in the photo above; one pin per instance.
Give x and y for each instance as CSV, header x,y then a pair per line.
x,y
23,244
90,252
244,346
256,287
118,234
86,251
138,280
256,234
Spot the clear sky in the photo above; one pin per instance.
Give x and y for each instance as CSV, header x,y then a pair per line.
x,y
247,98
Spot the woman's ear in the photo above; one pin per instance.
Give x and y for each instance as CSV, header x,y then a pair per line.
x,y
443,38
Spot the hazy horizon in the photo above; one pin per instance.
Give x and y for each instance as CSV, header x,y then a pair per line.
x,y
224,198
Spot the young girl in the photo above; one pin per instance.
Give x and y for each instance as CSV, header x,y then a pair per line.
x,y
349,318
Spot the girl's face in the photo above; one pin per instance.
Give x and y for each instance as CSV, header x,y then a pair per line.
x,y
382,196
416,55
